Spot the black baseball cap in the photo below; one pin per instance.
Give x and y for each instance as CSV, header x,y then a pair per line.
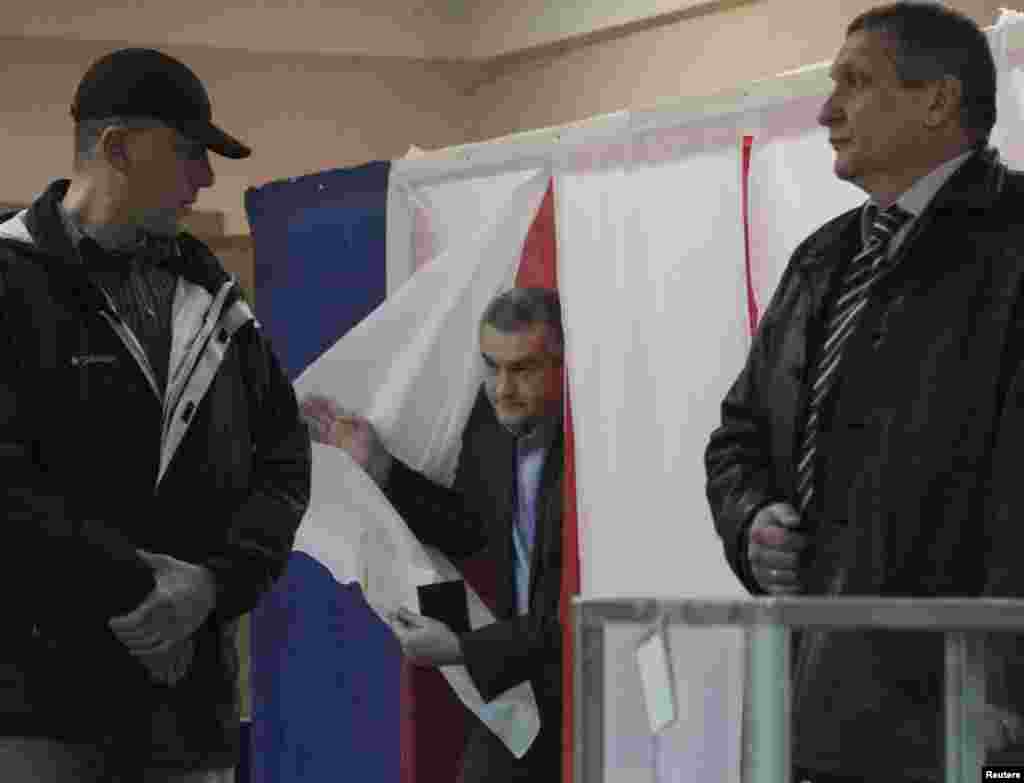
x,y
148,83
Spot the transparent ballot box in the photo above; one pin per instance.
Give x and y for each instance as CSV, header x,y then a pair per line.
x,y
700,690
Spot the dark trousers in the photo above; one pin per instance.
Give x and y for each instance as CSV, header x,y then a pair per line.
x,y
487,760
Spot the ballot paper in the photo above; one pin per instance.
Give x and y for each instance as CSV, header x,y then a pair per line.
x,y
353,530
656,677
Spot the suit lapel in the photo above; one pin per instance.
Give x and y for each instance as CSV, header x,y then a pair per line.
x,y
547,541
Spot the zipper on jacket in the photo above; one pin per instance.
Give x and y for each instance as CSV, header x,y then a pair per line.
x,y
187,385
180,376
117,323
87,360
131,342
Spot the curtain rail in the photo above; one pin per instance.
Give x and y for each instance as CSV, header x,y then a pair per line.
x,y
536,148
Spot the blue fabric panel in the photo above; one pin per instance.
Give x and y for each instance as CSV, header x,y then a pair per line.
x,y
324,670
319,257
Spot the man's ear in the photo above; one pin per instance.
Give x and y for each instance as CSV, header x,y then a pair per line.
x,y
113,147
945,102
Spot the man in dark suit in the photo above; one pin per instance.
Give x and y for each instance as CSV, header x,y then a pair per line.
x,y
506,499
871,444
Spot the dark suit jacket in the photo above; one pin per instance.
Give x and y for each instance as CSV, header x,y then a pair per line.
x,y
919,489
478,513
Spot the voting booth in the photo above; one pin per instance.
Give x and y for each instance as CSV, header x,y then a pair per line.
x,y
669,229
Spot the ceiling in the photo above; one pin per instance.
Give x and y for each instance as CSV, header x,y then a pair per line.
x,y
432,29
403,28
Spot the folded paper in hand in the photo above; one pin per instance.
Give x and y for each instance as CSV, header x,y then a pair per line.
x,y
353,530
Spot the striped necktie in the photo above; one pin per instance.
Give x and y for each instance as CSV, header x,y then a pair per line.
x,y
868,266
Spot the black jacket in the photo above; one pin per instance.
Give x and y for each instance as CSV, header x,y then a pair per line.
x,y
918,482
478,514
93,470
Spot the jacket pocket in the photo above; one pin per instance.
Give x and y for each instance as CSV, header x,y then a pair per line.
x,y
82,361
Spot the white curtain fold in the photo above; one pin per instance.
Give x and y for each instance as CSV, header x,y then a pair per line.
x,y
413,368
1008,135
455,208
651,277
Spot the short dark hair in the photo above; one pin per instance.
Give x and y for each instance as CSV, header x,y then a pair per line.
x,y
520,308
931,42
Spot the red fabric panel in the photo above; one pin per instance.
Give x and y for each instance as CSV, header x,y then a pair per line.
x,y
431,747
539,268
438,724
406,727
752,310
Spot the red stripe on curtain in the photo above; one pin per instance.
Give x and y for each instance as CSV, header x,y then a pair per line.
x,y
537,265
407,724
539,268
413,681
431,747
752,309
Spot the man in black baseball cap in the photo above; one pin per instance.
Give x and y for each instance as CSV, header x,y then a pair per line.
x,y
148,83
155,465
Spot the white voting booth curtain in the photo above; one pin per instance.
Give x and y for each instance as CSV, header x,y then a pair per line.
x,y
649,216
412,367
644,318
651,250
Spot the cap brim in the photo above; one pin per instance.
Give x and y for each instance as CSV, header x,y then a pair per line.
x,y
218,141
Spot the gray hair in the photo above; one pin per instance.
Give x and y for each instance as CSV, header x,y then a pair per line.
x,y
929,43
518,309
88,132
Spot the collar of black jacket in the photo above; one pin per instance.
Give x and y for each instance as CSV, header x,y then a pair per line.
x,y
45,225
184,255
973,188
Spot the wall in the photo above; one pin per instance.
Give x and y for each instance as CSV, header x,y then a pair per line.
x,y
431,29
406,28
502,28
307,112
694,56
300,113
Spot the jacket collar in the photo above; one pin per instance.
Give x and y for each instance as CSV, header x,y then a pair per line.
x,y
975,187
184,255
46,226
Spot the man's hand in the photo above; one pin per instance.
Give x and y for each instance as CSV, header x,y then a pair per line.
x,y
333,425
320,413
183,598
170,667
426,641
774,549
